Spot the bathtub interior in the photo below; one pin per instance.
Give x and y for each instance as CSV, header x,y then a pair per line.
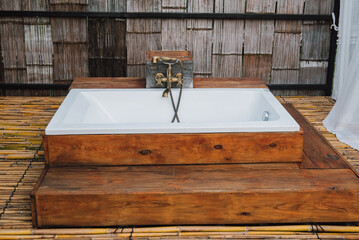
x,y
196,107
137,109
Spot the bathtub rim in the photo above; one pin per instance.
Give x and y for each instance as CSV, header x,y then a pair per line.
x,y
286,123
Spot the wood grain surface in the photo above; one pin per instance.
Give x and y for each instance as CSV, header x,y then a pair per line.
x,y
139,82
72,196
318,153
194,148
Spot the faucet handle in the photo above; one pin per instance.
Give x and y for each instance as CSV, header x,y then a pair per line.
x,y
159,77
179,79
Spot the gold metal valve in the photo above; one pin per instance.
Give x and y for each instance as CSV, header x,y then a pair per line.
x,y
160,78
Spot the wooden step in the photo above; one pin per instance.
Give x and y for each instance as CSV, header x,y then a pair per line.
x,y
176,195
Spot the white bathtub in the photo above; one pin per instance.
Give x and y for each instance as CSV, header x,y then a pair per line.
x,y
133,111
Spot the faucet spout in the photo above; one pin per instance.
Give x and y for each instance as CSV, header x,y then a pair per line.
x,y
165,93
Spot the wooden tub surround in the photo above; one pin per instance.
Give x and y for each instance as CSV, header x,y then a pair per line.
x,y
319,187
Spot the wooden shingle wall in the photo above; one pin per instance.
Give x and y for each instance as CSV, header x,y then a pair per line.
x,y
56,50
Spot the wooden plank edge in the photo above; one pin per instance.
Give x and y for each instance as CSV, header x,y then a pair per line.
x,y
290,105
45,141
33,196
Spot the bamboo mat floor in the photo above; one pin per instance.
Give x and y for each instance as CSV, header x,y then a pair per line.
x,y
22,123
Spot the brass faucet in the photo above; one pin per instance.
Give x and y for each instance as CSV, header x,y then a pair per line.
x,y
160,78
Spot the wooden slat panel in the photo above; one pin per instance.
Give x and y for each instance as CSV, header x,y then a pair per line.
x,y
173,3
107,47
39,52
226,66
259,37
200,6
200,42
259,34
13,51
228,34
316,41
285,77
14,5
70,42
107,5
13,44
143,25
31,5
16,75
290,45
318,7
70,61
72,196
2,80
68,29
136,70
174,32
260,6
312,72
148,149
289,7
315,146
139,44
258,66
229,6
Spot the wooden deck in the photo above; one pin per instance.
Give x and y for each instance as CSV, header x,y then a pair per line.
x,y
22,122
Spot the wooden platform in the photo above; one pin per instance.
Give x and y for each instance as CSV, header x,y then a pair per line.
x,y
23,120
210,194
201,195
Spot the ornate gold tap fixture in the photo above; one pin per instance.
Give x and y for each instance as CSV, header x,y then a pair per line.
x,y
169,79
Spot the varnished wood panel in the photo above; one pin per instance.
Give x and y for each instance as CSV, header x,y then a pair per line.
x,y
315,147
71,197
182,55
139,82
108,82
33,194
148,149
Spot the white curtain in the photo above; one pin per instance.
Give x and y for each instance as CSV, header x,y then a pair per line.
x,y
343,119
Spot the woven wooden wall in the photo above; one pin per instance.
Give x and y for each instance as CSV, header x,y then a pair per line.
x,y
56,50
